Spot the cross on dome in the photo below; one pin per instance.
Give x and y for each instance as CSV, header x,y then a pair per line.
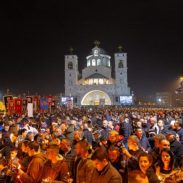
x,y
97,43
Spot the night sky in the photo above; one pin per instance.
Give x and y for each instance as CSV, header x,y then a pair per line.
x,y
35,35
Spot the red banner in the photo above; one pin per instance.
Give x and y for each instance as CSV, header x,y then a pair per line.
x,y
53,104
49,99
18,102
11,107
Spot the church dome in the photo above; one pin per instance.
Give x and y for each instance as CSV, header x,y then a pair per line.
x,y
98,57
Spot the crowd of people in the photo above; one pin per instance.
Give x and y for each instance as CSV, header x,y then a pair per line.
x,y
93,145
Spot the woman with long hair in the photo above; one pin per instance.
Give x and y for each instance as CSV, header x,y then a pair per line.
x,y
165,168
145,172
145,165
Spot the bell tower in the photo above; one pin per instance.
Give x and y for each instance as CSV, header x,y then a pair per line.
x,y
121,72
71,73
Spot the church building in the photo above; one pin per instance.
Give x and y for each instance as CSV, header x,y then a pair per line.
x,y
95,85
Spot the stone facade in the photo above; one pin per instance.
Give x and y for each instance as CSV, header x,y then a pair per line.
x,y
96,86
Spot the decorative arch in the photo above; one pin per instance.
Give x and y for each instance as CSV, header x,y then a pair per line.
x,y
96,97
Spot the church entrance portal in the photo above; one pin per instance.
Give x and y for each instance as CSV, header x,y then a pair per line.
x,y
96,97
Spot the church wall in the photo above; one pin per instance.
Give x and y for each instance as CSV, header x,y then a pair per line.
x,y
88,71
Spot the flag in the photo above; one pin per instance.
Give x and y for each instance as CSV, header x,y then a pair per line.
x,y
30,109
24,102
18,106
29,99
50,99
6,99
44,104
11,107
24,105
36,103
53,104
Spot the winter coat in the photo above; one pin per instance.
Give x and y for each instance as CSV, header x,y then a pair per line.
x,y
70,132
58,171
84,171
177,149
34,169
180,133
125,130
108,175
88,135
144,143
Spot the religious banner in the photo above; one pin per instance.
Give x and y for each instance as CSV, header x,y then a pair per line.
x,y
44,104
53,104
24,102
30,109
36,103
6,99
2,108
29,99
24,105
11,107
18,106
49,98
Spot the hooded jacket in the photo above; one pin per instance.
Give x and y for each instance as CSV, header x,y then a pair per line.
x,y
34,169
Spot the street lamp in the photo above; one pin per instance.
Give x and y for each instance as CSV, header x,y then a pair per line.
x,y
159,100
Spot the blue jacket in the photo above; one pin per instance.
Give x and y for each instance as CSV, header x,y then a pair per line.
x,y
125,130
88,136
144,143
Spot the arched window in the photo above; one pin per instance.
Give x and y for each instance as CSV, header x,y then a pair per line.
x,y
88,63
108,63
103,61
120,64
70,65
98,62
93,62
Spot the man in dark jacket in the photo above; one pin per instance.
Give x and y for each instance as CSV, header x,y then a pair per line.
x,y
179,129
105,129
143,141
67,152
175,146
35,167
70,130
87,134
85,166
125,130
56,168
104,171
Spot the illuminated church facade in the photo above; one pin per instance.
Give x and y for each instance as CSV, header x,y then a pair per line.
x,y
96,86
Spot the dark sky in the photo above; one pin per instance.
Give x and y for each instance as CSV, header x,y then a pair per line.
x,y
35,35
